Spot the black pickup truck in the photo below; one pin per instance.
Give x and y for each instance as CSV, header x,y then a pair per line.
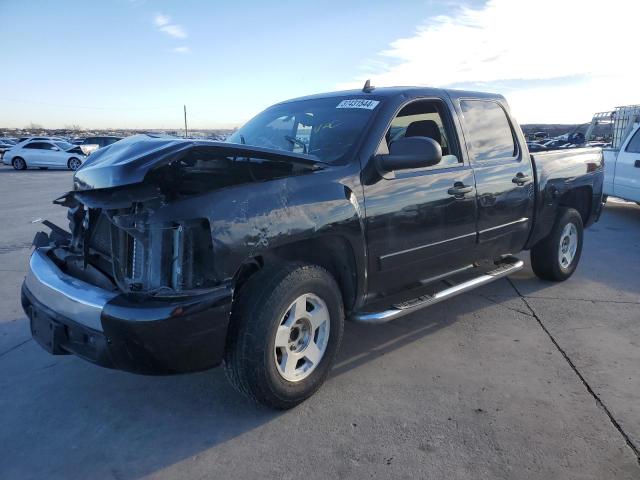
x,y
365,205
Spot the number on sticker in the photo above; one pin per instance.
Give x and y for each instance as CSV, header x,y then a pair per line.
x,y
358,103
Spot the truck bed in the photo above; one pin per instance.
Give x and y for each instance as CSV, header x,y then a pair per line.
x,y
576,171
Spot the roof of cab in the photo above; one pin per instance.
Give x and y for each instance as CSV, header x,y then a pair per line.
x,y
385,92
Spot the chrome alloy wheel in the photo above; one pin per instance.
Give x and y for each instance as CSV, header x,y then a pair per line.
x,y
302,337
568,245
18,163
74,164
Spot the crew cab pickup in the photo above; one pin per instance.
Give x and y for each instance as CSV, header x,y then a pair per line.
x,y
365,205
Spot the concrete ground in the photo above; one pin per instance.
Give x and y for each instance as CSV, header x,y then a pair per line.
x,y
521,379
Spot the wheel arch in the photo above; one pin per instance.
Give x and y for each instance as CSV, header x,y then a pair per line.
x,y
331,252
580,199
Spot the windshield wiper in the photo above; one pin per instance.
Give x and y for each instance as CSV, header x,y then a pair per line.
x,y
295,141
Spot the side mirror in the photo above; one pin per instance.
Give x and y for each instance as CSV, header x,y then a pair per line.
x,y
55,149
410,152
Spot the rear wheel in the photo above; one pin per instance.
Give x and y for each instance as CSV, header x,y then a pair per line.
x,y
284,334
19,164
556,257
74,163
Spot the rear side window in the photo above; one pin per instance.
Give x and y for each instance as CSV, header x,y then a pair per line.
x,y
634,143
490,134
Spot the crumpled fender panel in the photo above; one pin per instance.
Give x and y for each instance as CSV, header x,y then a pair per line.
x,y
250,219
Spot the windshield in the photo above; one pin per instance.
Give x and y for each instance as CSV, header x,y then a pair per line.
x,y
63,145
326,128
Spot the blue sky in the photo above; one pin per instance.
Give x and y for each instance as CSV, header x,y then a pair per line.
x,y
134,63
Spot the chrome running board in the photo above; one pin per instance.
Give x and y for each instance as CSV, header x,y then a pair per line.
x,y
506,267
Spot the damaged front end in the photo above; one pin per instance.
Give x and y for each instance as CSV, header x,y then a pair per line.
x,y
132,284
117,237
123,249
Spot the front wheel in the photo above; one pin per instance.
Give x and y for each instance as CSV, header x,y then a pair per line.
x,y
556,256
285,331
74,163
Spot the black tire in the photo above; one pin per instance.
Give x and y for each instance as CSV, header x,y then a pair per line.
x,y
545,255
19,163
71,164
261,305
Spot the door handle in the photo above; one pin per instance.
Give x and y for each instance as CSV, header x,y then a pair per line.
x,y
459,190
520,179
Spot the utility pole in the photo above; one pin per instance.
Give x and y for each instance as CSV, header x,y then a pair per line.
x,y
185,121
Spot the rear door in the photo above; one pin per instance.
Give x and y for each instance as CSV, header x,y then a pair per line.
x,y
504,177
627,169
33,154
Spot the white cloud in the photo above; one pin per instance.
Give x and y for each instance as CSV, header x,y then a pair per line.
x,y
164,24
181,50
161,20
555,60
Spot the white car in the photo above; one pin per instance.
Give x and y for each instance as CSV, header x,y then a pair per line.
x,y
44,154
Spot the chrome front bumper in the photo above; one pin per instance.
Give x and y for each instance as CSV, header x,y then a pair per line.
x,y
154,336
69,297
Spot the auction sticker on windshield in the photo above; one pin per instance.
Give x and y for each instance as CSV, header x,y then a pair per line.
x,y
358,103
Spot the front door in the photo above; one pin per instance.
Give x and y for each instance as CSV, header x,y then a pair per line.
x,y
627,169
504,178
51,155
420,222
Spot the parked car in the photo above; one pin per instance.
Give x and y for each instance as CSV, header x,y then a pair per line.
x,y
53,139
5,144
44,154
91,144
622,168
553,144
183,254
536,147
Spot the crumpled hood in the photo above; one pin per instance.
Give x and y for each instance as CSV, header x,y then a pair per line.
x,y
128,161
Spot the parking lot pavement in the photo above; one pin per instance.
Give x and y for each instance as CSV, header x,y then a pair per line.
x,y
519,379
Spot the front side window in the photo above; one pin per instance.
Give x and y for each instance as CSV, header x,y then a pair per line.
x,y
634,143
326,128
424,118
490,134
36,145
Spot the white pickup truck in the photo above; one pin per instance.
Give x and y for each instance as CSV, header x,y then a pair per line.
x,y
622,160
622,168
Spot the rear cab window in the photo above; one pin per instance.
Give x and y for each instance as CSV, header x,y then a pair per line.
x,y
490,135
